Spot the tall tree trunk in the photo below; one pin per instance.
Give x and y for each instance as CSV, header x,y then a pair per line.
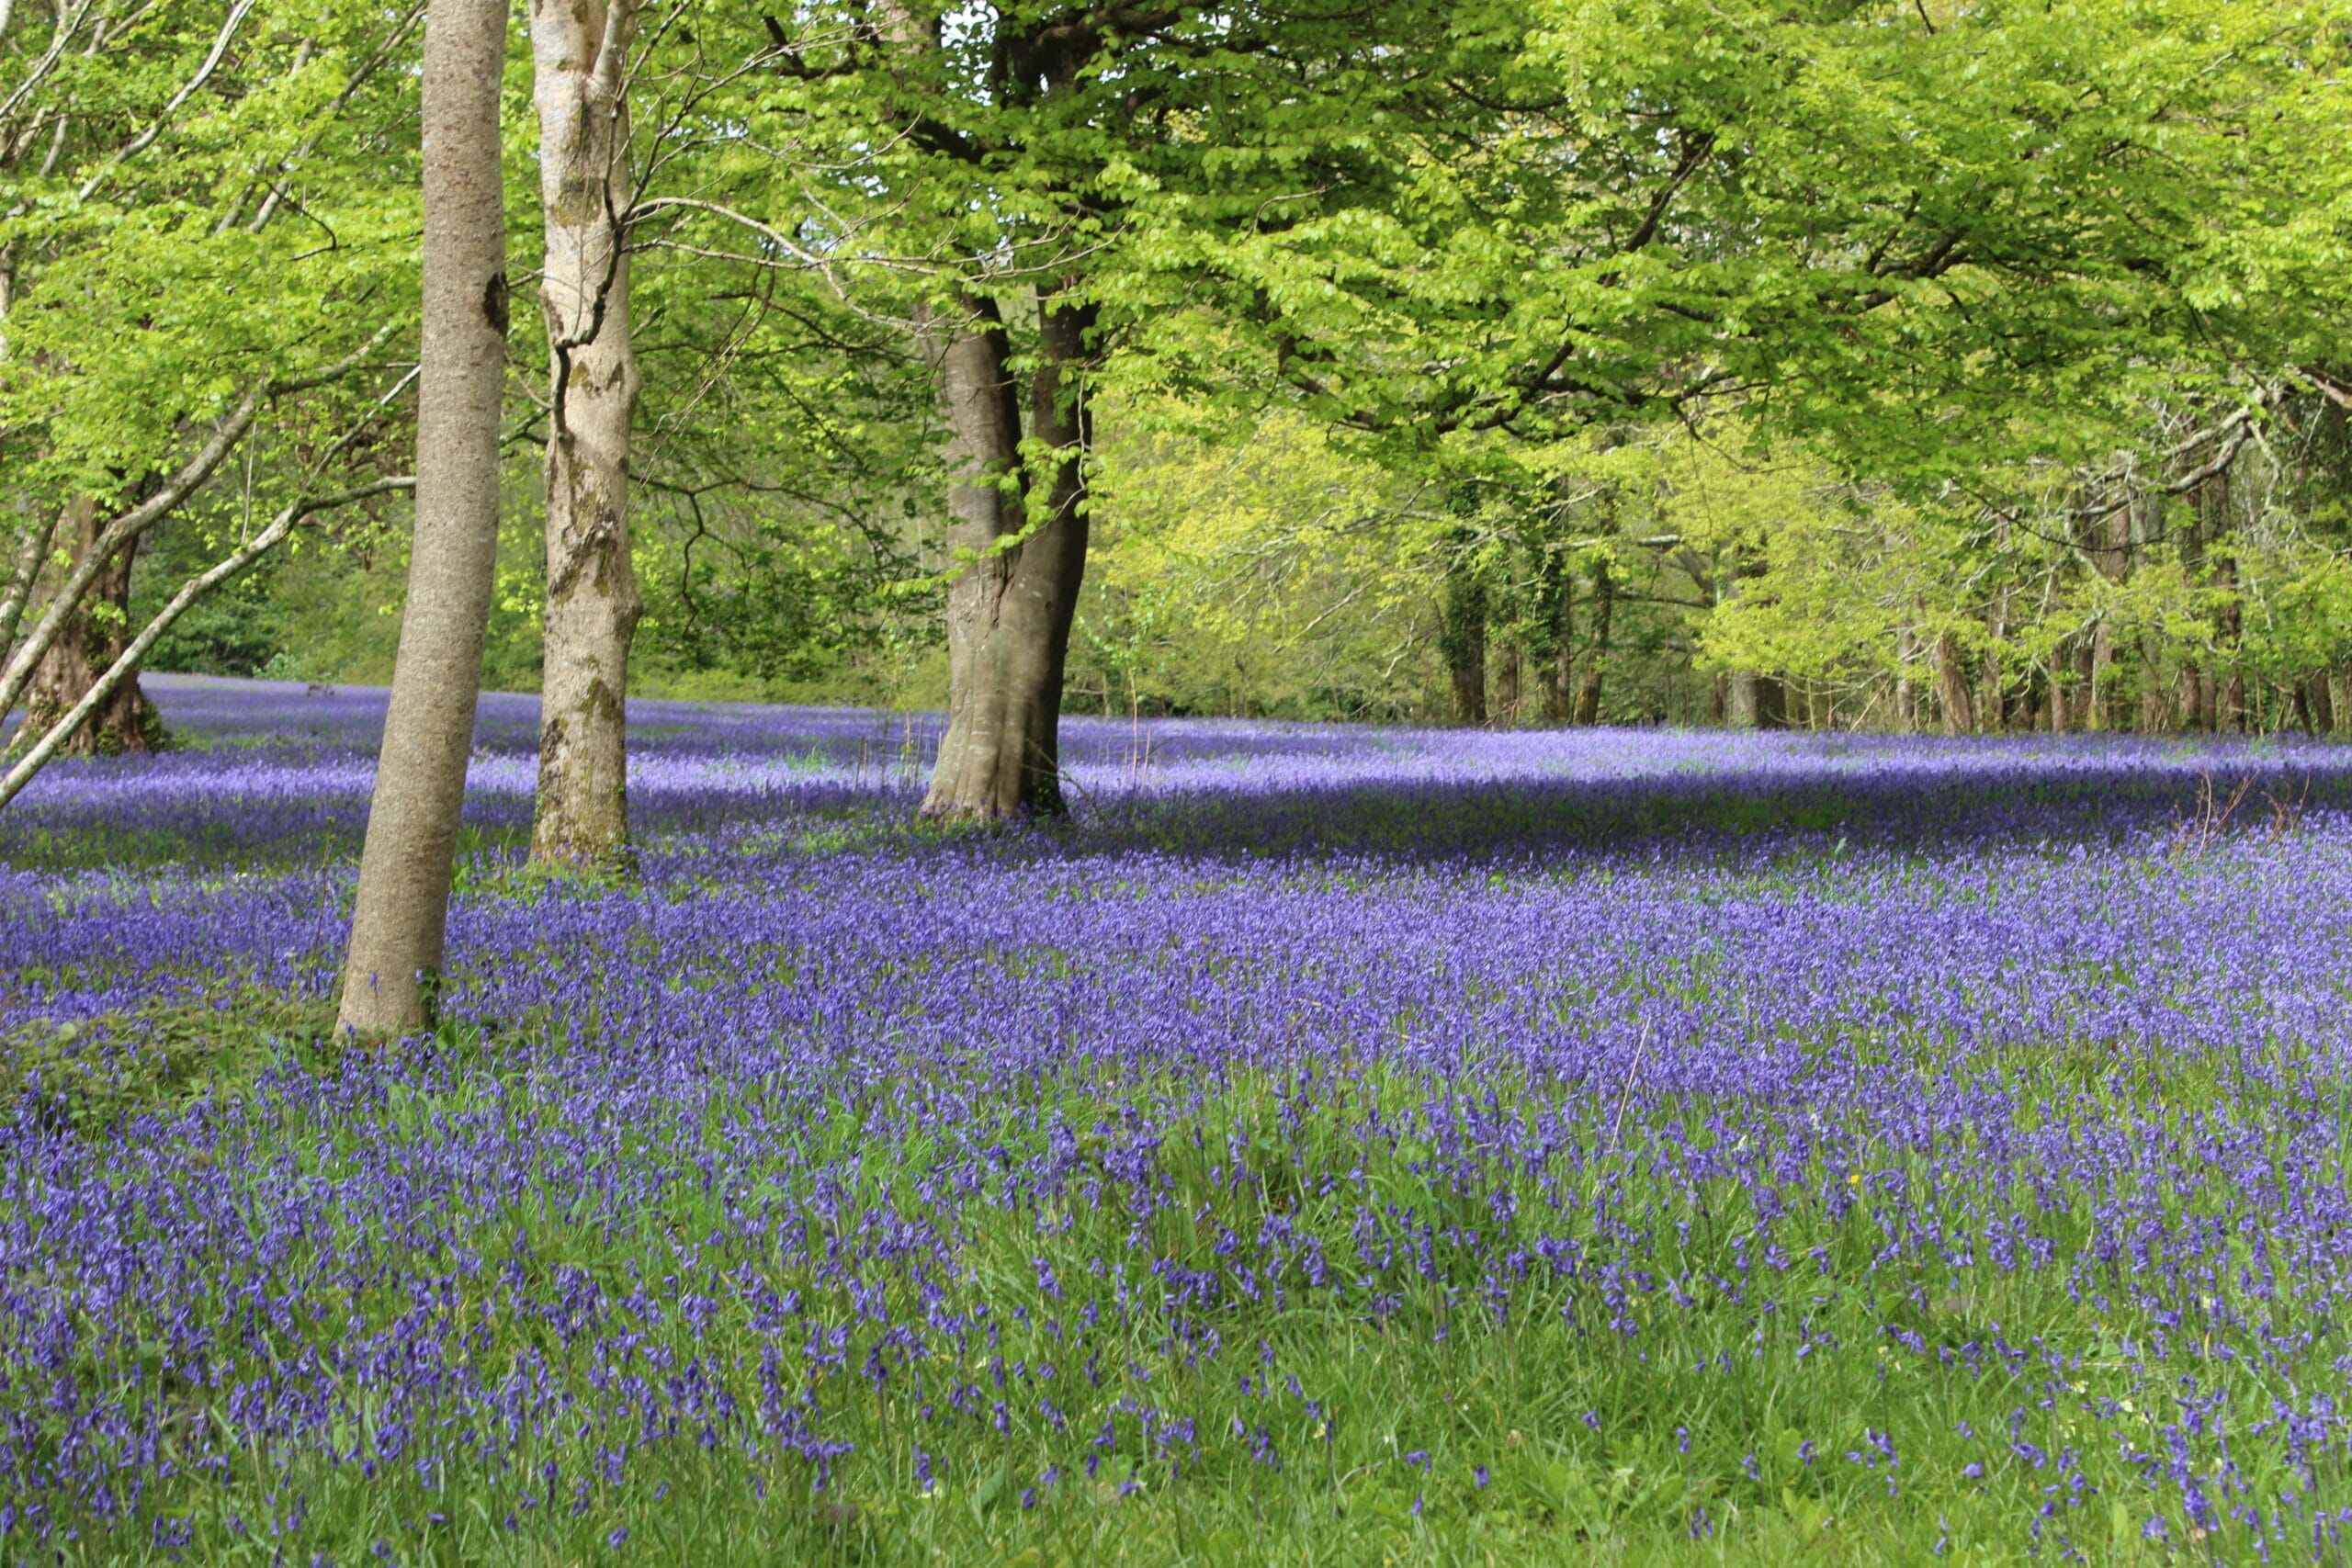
x,y
1558,675
2311,704
2156,714
1953,695
1750,701
1463,639
1507,685
580,52
1906,691
1757,702
1605,598
2099,715
89,642
2229,689
392,972
1010,607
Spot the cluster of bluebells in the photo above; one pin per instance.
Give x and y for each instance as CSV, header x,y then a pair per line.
x,y
1715,1064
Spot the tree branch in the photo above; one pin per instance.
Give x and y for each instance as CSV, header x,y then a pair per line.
x,y
195,588
143,516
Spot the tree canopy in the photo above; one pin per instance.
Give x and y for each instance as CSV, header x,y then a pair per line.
x,y
1935,365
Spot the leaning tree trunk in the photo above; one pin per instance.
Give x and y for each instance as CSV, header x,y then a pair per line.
x,y
393,968
1013,600
580,49
1604,598
87,645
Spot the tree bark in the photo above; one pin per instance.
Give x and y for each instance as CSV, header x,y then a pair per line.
x,y
1011,604
1756,702
2313,705
32,551
1605,598
2099,715
580,50
392,972
1506,686
1906,691
1462,636
33,753
1560,669
1953,695
89,641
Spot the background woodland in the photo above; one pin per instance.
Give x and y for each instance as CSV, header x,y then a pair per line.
x,y
1935,367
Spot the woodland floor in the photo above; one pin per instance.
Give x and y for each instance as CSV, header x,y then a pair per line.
x,y
1335,1145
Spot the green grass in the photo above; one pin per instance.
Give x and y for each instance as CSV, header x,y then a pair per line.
x,y
1574,1426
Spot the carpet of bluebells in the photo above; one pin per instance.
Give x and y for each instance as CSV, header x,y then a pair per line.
x,y
1334,1145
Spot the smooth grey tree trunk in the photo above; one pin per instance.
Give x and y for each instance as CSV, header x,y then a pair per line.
x,y
580,52
1012,603
393,967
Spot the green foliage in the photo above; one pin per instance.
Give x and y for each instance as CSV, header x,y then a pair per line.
x,y
1272,574
168,249
1814,329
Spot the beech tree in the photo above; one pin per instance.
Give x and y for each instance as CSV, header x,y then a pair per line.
x,y
1017,425
166,305
1008,157
580,56
393,969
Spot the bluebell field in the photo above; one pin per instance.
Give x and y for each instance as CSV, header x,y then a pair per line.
x,y
1333,1145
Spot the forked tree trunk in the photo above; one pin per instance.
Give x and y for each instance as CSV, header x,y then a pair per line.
x,y
1605,598
1011,606
88,643
580,50
393,968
